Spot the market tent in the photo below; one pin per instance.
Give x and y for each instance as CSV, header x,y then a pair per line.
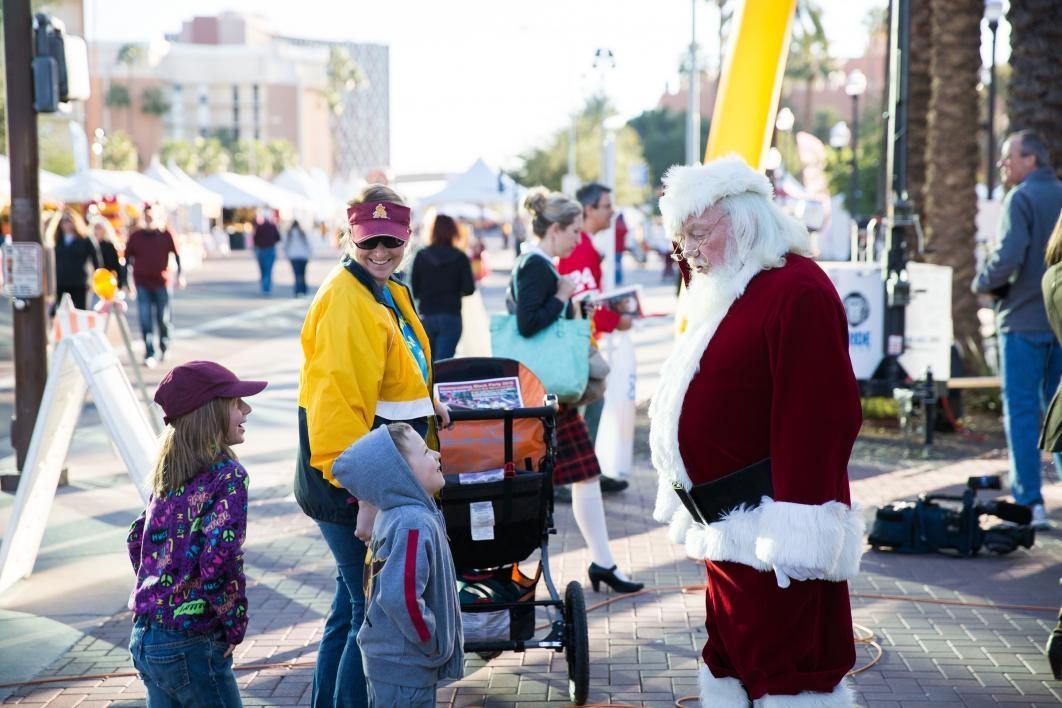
x,y
315,190
480,184
45,179
197,205
126,185
250,192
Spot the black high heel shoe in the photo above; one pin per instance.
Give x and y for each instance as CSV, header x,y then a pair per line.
x,y
1054,654
608,576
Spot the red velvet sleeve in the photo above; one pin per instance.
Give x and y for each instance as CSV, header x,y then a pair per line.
x,y
815,410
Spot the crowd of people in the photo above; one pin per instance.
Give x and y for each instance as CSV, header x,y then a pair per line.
x,y
748,482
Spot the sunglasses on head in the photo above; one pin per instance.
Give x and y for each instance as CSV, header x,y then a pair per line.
x,y
387,241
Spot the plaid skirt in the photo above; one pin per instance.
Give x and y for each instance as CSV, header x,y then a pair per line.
x,y
576,459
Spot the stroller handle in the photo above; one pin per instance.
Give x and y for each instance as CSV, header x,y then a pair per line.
x,y
457,415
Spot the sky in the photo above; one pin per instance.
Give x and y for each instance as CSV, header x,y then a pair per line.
x,y
488,78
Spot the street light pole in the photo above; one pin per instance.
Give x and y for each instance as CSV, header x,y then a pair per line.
x,y
993,11
29,323
693,107
855,85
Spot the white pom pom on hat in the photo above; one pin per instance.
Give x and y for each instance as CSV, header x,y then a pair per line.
x,y
690,189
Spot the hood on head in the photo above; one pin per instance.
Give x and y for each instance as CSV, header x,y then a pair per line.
x,y
373,469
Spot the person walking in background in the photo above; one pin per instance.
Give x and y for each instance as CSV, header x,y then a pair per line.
x,y
766,336
584,264
538,295
1051,434
411,639
190,599
77,255
266,237
440,277
1030,358
366,362
298,252
148,255
104,234
620,233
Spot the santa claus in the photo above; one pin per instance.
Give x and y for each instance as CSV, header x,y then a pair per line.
x,y
751,430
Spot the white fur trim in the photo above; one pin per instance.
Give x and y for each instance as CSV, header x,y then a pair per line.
x,y
840,697
827,538
721,692
690,189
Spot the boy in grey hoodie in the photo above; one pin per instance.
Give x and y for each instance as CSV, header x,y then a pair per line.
x,y
411,638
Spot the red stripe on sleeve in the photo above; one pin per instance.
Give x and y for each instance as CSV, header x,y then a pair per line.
x,y
410,586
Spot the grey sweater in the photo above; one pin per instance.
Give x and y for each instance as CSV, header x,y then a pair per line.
x,y
412,630
1030,211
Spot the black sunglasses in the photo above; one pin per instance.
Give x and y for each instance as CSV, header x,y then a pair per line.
x,y
370,244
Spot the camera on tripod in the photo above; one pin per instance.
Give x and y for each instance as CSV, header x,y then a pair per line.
x,y
942,522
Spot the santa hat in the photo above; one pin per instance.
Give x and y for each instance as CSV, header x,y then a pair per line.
x,y
690,189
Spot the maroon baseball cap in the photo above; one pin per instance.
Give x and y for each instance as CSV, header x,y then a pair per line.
x,y
189,386
378,219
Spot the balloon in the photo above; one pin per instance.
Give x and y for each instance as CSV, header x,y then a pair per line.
x,y
104,284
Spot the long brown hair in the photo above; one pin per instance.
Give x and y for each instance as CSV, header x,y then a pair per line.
x,y
1053,252
191,445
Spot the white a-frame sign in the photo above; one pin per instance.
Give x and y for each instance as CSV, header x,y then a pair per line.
x,y
82,362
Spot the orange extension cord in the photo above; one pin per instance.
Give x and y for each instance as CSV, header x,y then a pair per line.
x,y
863,636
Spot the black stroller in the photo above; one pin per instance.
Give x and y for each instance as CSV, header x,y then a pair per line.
x,y
498,504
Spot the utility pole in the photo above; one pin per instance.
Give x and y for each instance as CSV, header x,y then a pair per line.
x,y
28,319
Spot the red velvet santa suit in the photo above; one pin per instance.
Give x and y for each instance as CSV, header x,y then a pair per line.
x,y
763,370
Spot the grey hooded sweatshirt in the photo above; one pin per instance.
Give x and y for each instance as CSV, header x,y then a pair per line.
x,y
412,631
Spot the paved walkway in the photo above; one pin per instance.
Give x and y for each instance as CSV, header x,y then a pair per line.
x,y
939,631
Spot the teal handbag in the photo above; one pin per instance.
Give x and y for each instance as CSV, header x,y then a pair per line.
x,y
558,355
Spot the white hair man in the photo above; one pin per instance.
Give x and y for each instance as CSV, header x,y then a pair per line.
x,y
751,430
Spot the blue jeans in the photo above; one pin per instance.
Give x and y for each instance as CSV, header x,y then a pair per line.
x,y
266,258
157,299
1031,366
444,332
298,269
183,669
339,677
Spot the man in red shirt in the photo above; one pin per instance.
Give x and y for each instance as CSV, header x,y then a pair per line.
x,y
148,255
585,263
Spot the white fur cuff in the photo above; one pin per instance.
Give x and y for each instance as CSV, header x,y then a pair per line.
x,y
827,538
840,697
721,692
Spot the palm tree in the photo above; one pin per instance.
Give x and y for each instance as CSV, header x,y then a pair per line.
x,y
918,93
1034,98
809,54
129,55
952,159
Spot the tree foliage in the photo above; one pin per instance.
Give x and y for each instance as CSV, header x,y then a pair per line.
x,y
547,165
663,136
119,152
118,97
201,156
344,75
153,101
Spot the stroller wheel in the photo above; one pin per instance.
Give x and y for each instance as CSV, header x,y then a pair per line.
x,y
488,655
577,643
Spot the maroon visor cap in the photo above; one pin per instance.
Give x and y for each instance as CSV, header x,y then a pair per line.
x,y
189,386
378,219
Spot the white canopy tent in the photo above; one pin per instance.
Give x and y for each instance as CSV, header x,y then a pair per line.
x,y
197,205
315,190
481,185
250,192
126,185
46,180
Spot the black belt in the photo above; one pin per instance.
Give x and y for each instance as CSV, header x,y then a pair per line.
x,y
710,501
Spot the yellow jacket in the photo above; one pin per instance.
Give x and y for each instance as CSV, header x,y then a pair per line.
x,y
357,374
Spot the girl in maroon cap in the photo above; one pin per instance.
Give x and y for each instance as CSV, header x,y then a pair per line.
x,y
190,599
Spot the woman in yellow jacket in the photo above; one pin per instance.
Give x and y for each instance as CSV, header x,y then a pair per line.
x,y
366,363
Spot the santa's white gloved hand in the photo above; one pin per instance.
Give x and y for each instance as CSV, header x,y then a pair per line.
x,y
785,573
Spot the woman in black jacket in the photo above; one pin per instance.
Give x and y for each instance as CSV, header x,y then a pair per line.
x,y
76,257
440,277
538,297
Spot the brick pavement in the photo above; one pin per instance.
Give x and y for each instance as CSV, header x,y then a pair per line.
x,y
643,649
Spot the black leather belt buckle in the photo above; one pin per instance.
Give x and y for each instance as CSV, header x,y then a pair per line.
x,y
710,501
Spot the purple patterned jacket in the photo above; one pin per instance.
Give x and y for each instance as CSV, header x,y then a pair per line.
x,y
187,552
